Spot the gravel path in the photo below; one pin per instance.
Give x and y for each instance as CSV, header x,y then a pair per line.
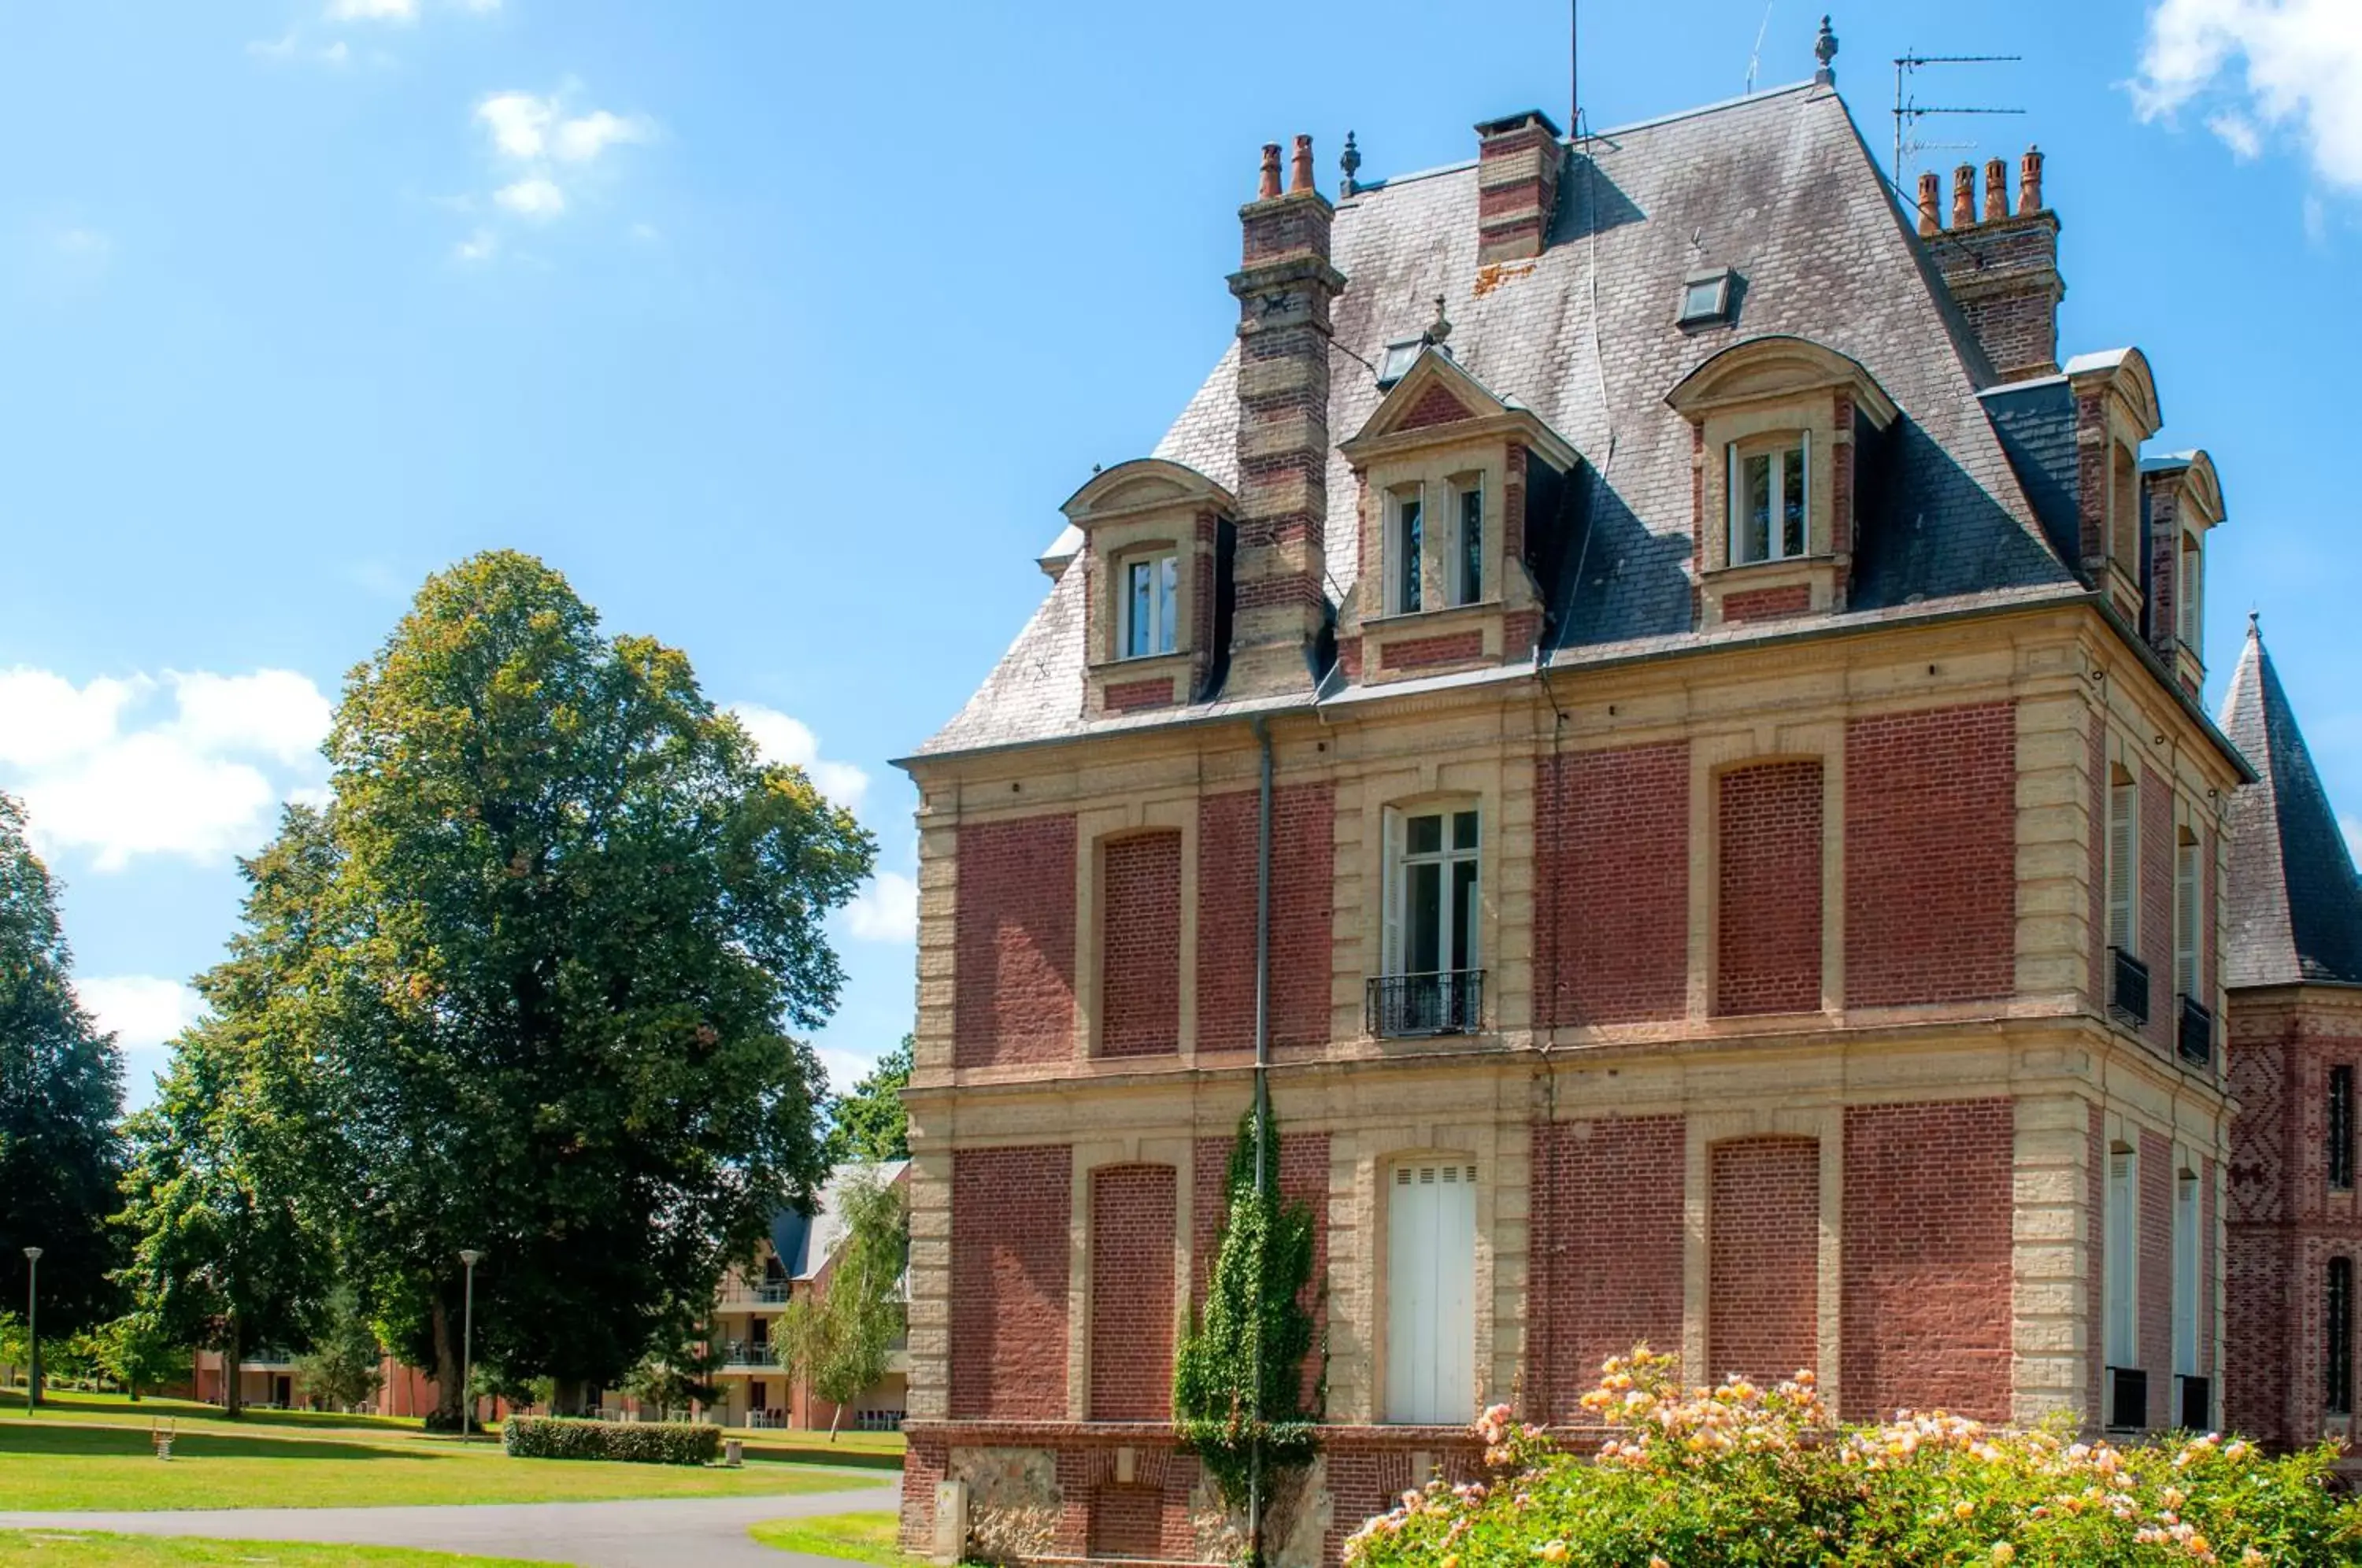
x,y
705,1532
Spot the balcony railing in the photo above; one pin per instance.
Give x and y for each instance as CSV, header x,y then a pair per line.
x,y
2196,1398
2127,988
763,1293
2195,1035
1448,1002
742,1352
2128,1398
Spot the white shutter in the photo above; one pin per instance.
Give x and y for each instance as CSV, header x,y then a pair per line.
x,y
2185,922
1390,895
2185,1274
2119,1242
1804,456
1730,504
2124,864
1431,1294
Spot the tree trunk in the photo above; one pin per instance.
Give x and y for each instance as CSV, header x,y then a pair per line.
x,y
835,1416
569,1397
233,1383
449,1393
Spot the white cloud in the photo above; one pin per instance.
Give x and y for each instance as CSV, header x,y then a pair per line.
x,y
789,742
519,122
528,128
335,53
373,10
585,137
2301,73
886,910
142,1012
480,246
100,775
87,248
282,48
533,197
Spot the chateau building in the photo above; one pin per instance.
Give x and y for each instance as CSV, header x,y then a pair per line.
x,y
1647,687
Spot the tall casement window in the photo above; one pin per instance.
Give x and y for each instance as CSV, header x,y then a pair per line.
x,y
1468,540
2124,860
2341,1128
1406,531
2189,589
2186,1253
1150,595
2337,1338
1769,499
1434,982
2121,1228
1431,1294
2187,886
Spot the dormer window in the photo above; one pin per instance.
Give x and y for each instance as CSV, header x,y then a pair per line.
x,y
1395,362
1705,297
1152,589
1404,535
1468,545
1770,503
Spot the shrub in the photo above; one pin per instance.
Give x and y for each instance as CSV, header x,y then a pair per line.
x,y
633,1443
1765,1477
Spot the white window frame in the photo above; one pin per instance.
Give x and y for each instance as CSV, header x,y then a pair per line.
x,y
2120,1241
1404,555
1164,636
1734,455
1464,487
1399,861
2187,1251
1431,1302
2124,860
2189,884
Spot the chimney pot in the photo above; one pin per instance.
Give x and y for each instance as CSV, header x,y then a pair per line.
x,y
1299,175
1996,190
2030,182
1270,186
1931,208
1964,196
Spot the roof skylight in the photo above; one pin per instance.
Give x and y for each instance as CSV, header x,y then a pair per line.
x,y
1395,362
1705,297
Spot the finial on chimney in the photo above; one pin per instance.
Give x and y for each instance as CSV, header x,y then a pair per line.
x,y
1931,200
1996,190
1824,49
1299,176
1436,330
2029,182
1964,196
1270,185
1350,162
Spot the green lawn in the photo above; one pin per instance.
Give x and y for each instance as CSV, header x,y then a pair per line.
x,y
859,1538
43,1549
64,1462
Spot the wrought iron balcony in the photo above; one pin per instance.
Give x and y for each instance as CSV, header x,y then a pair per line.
x,y
2127,988
2195,1035
2196,1399
2128,1398
1447,1001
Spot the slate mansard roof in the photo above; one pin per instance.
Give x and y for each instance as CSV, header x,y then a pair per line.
x,y
1779,187
2296,906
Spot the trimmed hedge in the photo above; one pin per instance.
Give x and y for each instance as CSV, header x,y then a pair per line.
x,y
632,1443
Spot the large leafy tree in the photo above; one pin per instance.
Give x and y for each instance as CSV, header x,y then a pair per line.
x,y
237,1166
60,1095
584,910
871,1125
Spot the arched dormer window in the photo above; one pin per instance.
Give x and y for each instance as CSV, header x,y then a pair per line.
x,y
1151,559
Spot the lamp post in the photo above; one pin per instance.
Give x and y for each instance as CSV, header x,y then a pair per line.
x,y
32,1327
468,1256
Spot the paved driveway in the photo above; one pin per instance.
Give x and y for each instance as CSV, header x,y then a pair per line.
x,y
702,1533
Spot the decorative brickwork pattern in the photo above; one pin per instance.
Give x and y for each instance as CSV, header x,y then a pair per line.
x,y
1435,406
1606,1269
1132,1209
1011,1213
1014,942
1612,869
1928,1239
1768,952
1763,1234
1418,653
1303,894
1303,1179
1767,603
1931,855
1133,696
1140,949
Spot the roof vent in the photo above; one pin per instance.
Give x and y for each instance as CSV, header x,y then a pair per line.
x,y
1705,297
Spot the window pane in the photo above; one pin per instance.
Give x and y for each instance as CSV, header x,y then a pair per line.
x,y
1464,914
1407,565
1424,834
1472,546
1755,508
1463,830
1137,629
1168,574
1702,300
1792,504
1423,918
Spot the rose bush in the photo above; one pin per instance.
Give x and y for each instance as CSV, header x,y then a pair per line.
x,y
1745,1475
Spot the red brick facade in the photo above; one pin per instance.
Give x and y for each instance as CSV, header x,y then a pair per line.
x,y
1014,1000
1132,1213
1435,406
1303,1179
1419,653
1302,890
1133,696
1140,945
1767,604
1010,1215
1763,1229
1605,1266
1768,947
2157,1175
1927,1233
2157,842
1931,855
1612,861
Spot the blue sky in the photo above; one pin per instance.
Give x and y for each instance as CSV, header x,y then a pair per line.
x,y
782,330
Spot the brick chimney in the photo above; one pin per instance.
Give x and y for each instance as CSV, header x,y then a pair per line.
x,y
1285,287
1519,159
2001,269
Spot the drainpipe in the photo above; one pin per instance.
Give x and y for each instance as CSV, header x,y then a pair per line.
x,y
1262,1120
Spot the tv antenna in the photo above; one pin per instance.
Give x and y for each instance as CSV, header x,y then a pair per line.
x,y
1909,110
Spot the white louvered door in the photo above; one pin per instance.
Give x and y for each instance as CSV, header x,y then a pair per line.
x,y
1431,1294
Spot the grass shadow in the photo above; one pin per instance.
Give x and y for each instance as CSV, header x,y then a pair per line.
x,y
33,1437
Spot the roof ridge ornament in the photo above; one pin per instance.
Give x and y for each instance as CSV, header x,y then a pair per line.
x,y
1824,49
1350,160
1436,331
